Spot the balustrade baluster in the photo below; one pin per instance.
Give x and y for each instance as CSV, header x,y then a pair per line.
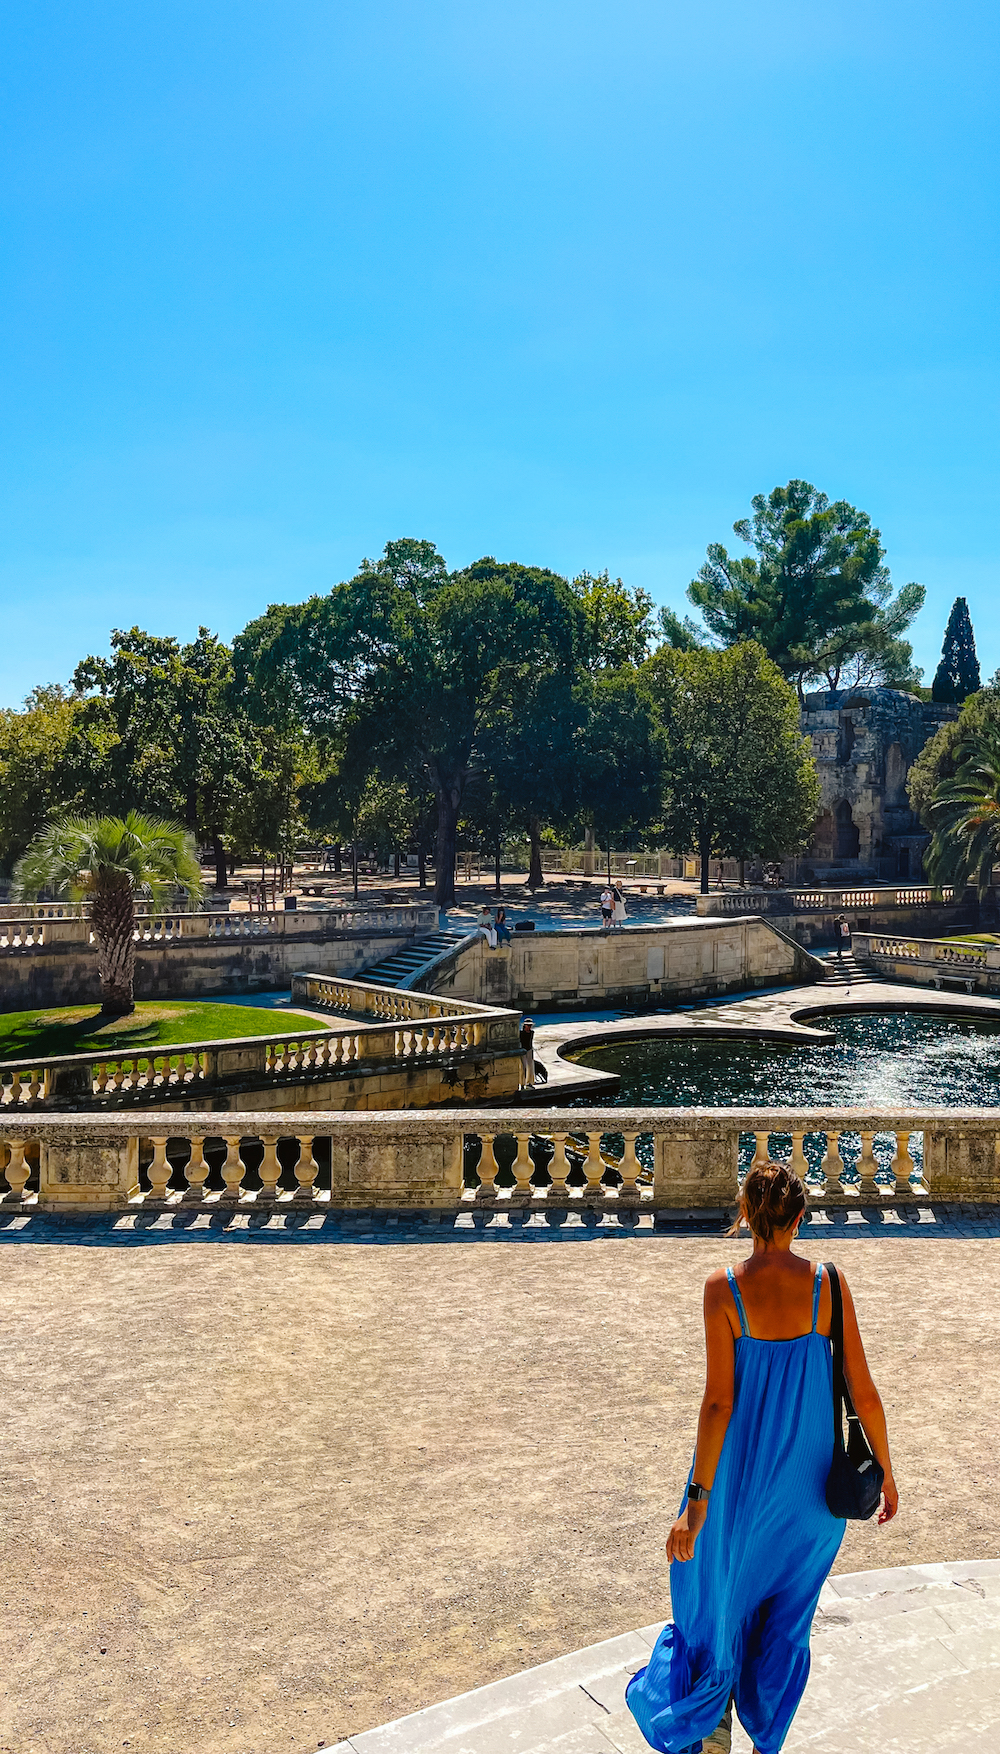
x,y
523,1169
832,1166
594,1166
488,1168
17,1170
628,1169
799,1165
867,1167
16,1093
196,1169
762,1150
902,1165
234,1169
159,1170
36,1084
306,1169
270,1168
559,1168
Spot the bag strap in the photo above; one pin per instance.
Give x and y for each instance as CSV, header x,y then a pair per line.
x,y
841,1392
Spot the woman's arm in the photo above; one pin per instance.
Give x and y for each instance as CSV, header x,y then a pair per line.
x,y
713,1421
867,1403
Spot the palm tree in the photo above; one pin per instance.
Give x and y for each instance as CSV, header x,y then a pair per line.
x,y
109,861
965,815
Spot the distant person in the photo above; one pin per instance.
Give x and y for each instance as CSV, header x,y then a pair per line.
x,y
755,1540
618,914
503,930
527,1040
487,926
607,908
719,879
842,927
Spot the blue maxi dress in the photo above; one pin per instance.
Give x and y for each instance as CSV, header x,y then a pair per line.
x,y
743,1605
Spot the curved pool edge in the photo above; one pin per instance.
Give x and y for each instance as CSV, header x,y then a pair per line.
x,y
781,1015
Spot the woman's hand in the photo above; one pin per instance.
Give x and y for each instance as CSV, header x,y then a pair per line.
x,y
890,1500
687,1528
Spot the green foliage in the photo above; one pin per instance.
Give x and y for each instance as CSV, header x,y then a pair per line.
x,y
941,757
619,622
957,675
77,856
964,813
33,780
683,636
815,593
737,774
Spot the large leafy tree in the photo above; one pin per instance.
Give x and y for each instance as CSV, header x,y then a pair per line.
x,y
957,675
162,727
33,777
737,774
815,592
109,861
403,666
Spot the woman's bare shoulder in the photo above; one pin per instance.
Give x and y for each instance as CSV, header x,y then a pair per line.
x,y
716,1284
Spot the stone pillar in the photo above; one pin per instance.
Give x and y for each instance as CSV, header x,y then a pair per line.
x,y
696,1164
962,1163
88,1169
588,852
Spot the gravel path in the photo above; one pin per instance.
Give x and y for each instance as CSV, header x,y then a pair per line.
x,y
258,1499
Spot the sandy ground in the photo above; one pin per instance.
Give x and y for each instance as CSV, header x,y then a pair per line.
x,y
256,1498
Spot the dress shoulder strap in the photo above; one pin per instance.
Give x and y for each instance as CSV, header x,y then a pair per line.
x,y
737,1299
817,1288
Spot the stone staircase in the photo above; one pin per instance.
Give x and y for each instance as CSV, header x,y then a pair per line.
x,y
846,971
405,967
903,1662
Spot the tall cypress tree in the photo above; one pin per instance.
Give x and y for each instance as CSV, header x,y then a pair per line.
x,y
957,675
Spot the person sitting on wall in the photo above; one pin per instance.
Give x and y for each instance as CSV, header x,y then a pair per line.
x,y
503,930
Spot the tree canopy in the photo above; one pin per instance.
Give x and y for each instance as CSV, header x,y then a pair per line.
x,y
815,592
737,775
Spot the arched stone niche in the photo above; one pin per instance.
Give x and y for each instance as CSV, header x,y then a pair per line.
x,y
895,777
847,835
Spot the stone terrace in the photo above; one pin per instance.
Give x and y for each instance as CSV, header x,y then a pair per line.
x,y
261,1495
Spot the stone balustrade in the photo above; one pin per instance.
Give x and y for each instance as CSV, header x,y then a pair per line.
x,y
389,1004
420,1031
44,929
620,1160
813,901
935,962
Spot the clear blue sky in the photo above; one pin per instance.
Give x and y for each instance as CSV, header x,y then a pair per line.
x,y
564,283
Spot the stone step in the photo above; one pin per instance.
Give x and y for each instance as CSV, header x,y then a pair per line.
x,y
903,1662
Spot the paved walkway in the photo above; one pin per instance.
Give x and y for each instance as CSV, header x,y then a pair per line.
x,y
903,1662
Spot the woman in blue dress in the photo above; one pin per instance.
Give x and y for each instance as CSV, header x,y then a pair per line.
x,y
754,1541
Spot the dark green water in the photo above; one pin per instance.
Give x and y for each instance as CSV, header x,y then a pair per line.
x,y
884,1059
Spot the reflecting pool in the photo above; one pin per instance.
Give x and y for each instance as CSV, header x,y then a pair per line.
x,y
880,1059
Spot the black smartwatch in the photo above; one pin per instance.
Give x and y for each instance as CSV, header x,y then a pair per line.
x,y
697,1492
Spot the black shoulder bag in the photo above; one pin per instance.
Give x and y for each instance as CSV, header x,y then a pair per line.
x,y
854,1483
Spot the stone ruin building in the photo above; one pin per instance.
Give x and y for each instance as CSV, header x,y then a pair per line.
x,y
865,741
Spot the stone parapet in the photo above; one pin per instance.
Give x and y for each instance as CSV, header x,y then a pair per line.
x,y
47,960
609,1160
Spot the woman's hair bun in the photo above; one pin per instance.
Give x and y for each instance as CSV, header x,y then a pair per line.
x,y
772,1197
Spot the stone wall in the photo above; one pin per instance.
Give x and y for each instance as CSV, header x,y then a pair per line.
x,y
56,964
865,740
687,959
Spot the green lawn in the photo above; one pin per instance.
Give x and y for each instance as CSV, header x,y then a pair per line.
x,y
77,1029
972,938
